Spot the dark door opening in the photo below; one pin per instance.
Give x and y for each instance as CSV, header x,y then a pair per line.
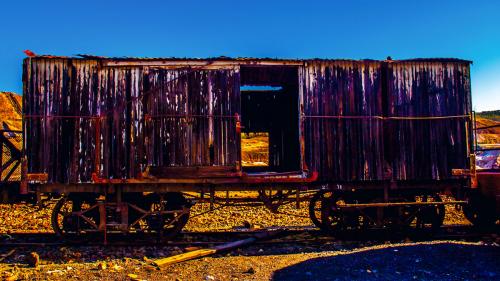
x,y
270,119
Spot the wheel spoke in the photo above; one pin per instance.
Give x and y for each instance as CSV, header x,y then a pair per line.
x,y
68,218
432,215
164,214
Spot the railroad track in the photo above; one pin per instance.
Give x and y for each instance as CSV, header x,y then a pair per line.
x,y
293,235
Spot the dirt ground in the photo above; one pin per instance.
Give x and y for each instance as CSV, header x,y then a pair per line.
x,y
331,260
437,260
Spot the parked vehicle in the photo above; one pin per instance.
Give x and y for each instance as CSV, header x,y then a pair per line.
x,y
127,143
484,198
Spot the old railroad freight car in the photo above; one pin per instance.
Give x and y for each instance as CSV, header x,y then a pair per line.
x,y
123,126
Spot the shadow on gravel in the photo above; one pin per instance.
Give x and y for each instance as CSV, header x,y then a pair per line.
x,y
447,261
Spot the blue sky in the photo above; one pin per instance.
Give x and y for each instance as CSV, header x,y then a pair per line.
x,y
286,29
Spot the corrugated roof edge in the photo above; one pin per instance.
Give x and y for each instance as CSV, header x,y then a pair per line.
x,y
224,58
435,60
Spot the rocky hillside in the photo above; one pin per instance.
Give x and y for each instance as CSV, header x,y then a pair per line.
x,y
488,136
492,115
11,119
10,111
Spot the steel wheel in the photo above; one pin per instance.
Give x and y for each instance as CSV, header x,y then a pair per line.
x,y
430,216
335,219
273,199
166,215
394,217
74,216
480,211
315,207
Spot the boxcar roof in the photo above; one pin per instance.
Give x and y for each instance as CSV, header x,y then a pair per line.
x,y
240,60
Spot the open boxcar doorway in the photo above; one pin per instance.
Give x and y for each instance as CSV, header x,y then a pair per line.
x,y
270,119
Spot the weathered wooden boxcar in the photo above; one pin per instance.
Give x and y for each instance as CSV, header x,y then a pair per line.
x,y
134,133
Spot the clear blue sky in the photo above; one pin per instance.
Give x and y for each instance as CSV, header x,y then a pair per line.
x,y
286,29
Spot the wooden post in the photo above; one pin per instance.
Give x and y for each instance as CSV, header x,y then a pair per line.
x,y
97,160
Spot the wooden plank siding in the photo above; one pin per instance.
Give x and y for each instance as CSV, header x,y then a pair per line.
x,y
342,142
116,117
192,117
427,148
353,126
146,117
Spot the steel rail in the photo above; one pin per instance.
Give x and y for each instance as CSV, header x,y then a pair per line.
x,y
306,236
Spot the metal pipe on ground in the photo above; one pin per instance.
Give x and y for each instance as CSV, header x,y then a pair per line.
x,y
217,249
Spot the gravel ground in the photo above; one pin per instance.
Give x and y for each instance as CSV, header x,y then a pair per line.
x,y
321,261
405,261
26,218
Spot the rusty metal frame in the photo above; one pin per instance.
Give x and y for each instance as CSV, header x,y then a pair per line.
x,y
236,184
123,207
394,204
81,214
242,178
148,213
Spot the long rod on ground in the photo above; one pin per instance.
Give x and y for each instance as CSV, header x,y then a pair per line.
x,y
210,251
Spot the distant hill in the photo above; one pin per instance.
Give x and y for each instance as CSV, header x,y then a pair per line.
x,y
492,115
489,136
10,111
11,119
